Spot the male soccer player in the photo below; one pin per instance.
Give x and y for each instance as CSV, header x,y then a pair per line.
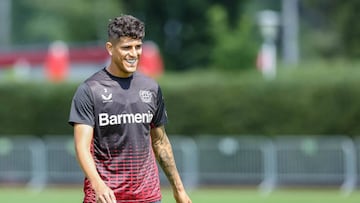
x,y
118,116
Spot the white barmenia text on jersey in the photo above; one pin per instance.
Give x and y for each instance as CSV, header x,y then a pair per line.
x,y
116,119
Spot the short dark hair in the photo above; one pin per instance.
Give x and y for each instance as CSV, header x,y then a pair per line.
x,y
126,26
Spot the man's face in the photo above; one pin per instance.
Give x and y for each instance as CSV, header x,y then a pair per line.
x,y
125,55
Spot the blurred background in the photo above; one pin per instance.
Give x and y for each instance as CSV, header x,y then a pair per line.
x,y
260,93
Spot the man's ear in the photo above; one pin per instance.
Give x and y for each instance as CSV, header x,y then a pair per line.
x,y
109,48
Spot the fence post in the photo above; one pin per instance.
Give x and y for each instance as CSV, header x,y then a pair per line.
x,y
190,159
270,167
350,176
38,165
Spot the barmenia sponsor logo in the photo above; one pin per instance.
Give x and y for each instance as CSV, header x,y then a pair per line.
x,y
116,119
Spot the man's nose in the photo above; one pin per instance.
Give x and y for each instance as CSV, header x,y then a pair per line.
x,y
133,51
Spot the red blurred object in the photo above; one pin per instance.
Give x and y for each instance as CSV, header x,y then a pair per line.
x,y
57,62
151,63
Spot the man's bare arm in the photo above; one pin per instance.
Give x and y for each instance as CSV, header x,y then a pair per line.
x,y
83,135
164,155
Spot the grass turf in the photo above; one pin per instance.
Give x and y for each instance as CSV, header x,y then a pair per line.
x,y
232,195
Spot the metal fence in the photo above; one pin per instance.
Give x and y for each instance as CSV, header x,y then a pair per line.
x,y
204,160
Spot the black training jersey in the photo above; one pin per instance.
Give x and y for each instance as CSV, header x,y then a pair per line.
x,y
122,112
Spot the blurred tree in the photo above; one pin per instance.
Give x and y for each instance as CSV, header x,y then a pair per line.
x,y
182,28
348,16
336,21
40,21
235,47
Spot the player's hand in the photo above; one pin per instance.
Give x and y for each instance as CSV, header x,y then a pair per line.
x,y
104,194
182,197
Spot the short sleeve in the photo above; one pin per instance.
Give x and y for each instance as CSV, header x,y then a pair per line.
x,y
160,117
82,107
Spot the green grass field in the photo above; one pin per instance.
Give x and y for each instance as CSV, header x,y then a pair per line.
x,y
229,195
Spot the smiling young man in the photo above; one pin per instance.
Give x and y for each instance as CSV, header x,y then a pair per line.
x,y
118,116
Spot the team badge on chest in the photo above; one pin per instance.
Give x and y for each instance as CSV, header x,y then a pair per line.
x,y
145,96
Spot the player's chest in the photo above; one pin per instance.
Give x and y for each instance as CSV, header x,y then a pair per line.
x,y
116,99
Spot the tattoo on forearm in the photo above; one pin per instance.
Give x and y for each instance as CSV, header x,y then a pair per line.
x,y
164,155
165,162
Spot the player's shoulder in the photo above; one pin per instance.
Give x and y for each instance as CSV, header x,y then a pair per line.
x,y
98,79
91,82
97,76
138,76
